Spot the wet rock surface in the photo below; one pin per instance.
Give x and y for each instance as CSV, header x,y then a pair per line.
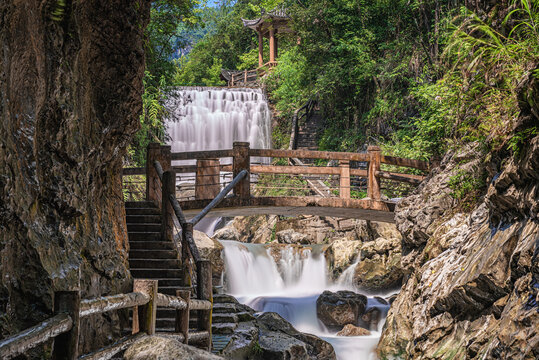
x,y
267,336
70,103
379,267
351,330
337,309
473,280
165,348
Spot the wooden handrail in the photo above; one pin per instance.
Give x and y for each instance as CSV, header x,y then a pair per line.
x,y
209,154
109,303
38,334
309,154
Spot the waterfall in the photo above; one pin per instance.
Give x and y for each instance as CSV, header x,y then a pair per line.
x,y
213,118
288,280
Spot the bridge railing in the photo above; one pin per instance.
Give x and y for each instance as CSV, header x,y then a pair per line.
x,y
274,173
69,309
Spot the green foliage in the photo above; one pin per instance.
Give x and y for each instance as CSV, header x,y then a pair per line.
x,y
519,139
467,186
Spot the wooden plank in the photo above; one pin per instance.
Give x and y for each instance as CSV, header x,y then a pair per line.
x,y
109,303
309,154
283,169
408,178
108,352
359,172
373,182
241,162
209,154
31,337
134,171
182,315
148,312
344,179
207,182
293,206
205,292
66,344
416,164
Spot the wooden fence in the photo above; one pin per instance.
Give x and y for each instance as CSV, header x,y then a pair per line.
x,y
69,309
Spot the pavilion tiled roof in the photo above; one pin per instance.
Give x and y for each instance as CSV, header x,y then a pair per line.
x,y
277,13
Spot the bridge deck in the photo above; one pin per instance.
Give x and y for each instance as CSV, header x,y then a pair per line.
x,y
292,206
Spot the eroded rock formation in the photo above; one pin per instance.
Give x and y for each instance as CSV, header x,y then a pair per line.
x,y
473,285
70,86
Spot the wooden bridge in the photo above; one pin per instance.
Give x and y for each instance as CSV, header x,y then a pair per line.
x,y
355,183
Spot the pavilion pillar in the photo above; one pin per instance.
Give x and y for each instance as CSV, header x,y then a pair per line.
x,y
272,44
260,49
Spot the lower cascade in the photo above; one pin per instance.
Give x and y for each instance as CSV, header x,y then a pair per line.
x,y
289,280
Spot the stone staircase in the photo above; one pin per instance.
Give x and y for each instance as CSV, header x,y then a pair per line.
x,y
308,133
150,257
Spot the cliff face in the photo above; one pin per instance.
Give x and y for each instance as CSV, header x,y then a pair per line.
x,y
473,285
70,85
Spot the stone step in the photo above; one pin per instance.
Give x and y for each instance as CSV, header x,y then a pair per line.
x,y
142,211
151,245
224,298
144,227
140,204
165,322
223,328
152,254
224,318
226,308
149,273
144,236
154,263
148,219
166,282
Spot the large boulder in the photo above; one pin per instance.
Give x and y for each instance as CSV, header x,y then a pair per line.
x,y
380,265
165,348
290,236
337,309
227,233
344,252
351,330
268,336
210,249
278,339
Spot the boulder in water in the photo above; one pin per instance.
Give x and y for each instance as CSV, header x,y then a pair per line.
x,y
351,330
165,348
340,308
227,233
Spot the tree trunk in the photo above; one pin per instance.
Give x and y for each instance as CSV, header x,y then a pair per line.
x,y
70,85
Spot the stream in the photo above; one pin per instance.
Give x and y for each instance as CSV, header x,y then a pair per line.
x,y
290,286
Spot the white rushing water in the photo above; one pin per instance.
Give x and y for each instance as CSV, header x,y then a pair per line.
x,y
213,118
290,287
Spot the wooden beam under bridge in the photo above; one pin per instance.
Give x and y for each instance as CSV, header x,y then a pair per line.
x,y
366,209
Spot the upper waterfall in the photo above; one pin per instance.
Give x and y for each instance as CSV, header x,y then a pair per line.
x,y
213,118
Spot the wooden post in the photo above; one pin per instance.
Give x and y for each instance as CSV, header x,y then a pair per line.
x,y
204,290
260,49
66,345
272,44
242,162
344,178
245,77
186,254
147,313
207,184
182,316
168,187
160,153
373,181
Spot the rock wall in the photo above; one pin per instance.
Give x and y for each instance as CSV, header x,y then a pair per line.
x,y
473,277
70,86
